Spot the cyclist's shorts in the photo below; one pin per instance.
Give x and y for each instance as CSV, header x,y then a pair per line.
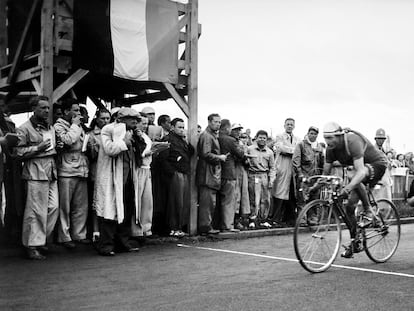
x,y
375,173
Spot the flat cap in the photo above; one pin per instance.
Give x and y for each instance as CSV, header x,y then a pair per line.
x,y
147,110
126,112
236,126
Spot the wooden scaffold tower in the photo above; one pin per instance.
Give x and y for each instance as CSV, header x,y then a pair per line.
x,y
38,57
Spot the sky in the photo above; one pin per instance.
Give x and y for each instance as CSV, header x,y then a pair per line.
x,y
316,61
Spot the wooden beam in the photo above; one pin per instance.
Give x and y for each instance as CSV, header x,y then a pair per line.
x,y
97,103
22,43
68,84
23,75
192,53
181,102
3,33
46,52
36,86
183,22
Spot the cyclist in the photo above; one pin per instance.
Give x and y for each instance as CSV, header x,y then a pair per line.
x,y
366,166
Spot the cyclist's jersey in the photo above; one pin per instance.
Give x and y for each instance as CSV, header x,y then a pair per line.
x,y
355,147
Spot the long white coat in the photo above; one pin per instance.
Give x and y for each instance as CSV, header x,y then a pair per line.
x,y
284,169
108,198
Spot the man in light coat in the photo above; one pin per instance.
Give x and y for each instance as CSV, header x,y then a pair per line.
x,y
283,190
116,185
141,223
37,148
73,170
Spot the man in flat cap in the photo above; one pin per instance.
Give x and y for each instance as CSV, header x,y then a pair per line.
x,y
307,160
116,187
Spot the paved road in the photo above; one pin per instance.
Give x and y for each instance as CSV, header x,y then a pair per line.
x,y
251,274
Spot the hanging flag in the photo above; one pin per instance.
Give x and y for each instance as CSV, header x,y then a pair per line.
x,y
130,39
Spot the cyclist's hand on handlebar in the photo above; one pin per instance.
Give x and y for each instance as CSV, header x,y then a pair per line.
x,y
345,193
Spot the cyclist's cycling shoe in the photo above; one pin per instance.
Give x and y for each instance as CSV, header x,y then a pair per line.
x,y
354,247
367,218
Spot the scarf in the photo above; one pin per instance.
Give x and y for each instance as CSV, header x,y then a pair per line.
x,y
314,144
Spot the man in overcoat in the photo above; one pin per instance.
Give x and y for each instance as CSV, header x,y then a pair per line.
x,y
283,191
208,173
116,185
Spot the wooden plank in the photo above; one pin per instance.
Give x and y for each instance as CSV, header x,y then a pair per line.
x,y
36,86
3,33
46,52
23,75
182,8
181,64
68,84
182,37
22,43
27,58
97,103
193,111
183,22
146,98
182,104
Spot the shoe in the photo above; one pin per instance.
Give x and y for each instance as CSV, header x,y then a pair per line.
x,y
366,219
43,249
252,225
83,241
148,233
132,249
265,225
172,233
354,247
213,231
179,234
239,226
33,254
230,230
106,253
69,245
276,224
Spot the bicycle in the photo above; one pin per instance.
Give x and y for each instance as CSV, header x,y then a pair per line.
x,y
318,245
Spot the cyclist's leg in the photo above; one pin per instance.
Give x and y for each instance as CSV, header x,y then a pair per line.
x,y
350,212
363,195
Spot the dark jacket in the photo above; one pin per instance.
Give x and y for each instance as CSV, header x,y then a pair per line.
x,y
177,157
208,172
229,145
306,160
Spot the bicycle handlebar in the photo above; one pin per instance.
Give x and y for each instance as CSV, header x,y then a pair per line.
x,y
326,177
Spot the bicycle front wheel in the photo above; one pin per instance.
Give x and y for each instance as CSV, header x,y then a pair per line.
x,y
382,237
317,245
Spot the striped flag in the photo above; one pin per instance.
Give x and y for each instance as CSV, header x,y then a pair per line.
x,y
130,39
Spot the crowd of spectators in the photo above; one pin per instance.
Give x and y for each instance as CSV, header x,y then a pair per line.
x,y
121,177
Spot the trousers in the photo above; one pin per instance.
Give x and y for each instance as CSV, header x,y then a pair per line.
x,y
73,206
259,196
227,202
40,213
207,206
141,224
112,234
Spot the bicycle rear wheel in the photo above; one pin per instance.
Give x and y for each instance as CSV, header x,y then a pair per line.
x,y
317,246
382,237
